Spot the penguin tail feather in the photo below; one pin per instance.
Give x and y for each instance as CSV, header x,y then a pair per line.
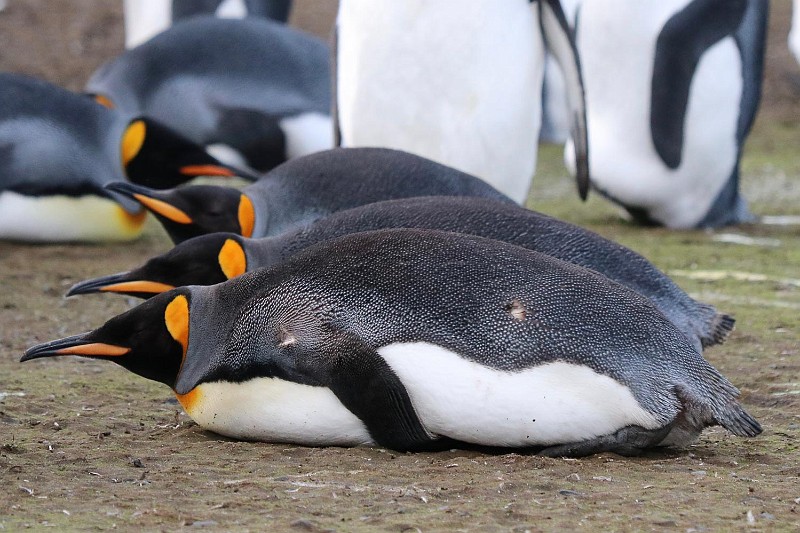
x,y
738,421
717,327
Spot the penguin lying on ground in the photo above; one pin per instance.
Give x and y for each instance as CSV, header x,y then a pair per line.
x,y
417,339
667,129
303,190
252,85
58,150
459,83
216,257
146,18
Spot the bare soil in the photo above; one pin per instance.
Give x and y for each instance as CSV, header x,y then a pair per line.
x,y
86,445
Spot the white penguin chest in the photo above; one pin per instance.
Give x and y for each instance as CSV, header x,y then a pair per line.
x,y
457,83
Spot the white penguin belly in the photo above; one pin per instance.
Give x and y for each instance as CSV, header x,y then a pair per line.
x,y
64,219
459,84
275,410
544,405
623,159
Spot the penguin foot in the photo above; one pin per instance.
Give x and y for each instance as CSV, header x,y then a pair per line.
x,y
628,441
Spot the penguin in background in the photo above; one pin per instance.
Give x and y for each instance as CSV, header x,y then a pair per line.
x,y
146,18
217,257
303,190
666,131
794,33
59,149
463,340
254,91
457,83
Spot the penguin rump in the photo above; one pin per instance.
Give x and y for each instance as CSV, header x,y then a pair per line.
x,y
416,340
303,190
217,257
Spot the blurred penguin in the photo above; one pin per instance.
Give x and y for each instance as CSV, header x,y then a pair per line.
x,y
146,18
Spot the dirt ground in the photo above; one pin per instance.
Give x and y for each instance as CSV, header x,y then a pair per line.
x,y
86,445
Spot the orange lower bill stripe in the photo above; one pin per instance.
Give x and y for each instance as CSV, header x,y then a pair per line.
x,y
164,209
152,287
95,348
206,170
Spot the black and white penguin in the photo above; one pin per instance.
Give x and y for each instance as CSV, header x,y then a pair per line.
x,y
254,91
416,339
666,130
303,190
457,83
58,150
146,18
217,257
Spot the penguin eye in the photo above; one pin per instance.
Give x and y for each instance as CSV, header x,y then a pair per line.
x,y
132,140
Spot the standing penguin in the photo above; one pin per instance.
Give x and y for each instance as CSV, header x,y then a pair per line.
x,y
461,340
146,18
457,83
251,85
57,152
303,190
666,130
217,257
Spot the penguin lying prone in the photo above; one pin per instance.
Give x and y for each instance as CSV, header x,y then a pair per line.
x,y
57,152
417,339
216,257
303,190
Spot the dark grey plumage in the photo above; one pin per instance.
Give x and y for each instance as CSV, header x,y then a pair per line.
x,y
226,81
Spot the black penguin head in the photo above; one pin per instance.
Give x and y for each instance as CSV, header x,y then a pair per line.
x,y
149,340
203,260
195,210
155,156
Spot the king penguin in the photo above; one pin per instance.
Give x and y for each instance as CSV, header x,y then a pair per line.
x,y
217,257
457,83
146,18
417,339
666,130
303,190
254,91
58,150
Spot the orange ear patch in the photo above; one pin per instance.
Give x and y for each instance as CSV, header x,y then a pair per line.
x,y
176,318
232,259
132,140
164,209
247,216
99,349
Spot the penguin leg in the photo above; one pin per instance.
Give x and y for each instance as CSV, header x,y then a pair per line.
x,y
369,388
628,441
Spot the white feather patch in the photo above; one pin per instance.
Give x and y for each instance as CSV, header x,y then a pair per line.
x,y
275,410
63,218
544,405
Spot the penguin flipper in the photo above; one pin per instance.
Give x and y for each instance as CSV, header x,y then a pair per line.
x,y
369,388
560,41
628,441
337,130
751,41
680,45
256,135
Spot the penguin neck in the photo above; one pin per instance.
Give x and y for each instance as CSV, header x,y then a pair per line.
x,y
265,252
